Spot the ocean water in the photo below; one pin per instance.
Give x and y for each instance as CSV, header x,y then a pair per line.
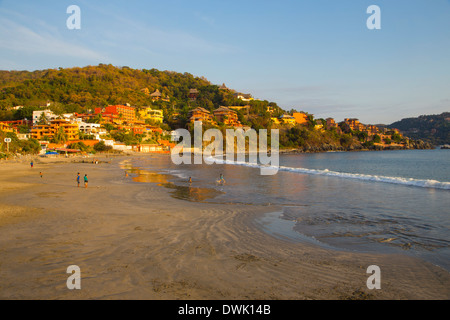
x,y
384,201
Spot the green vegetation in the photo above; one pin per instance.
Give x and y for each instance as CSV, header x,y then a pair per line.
x,y
30,146
434,129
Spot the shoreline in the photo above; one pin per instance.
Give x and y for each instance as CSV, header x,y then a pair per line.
x,y
133,240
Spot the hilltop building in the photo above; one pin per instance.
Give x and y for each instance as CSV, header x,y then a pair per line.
x,y
200,114
300,117
156,95
193,94
227,116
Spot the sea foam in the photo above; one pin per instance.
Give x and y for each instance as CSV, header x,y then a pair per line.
x,y
358,176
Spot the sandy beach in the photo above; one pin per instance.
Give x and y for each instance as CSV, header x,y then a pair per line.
x,y
169,248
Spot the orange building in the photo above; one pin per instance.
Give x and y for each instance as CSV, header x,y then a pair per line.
x,y
227,116
125,113
5,127
354,124
50,130
300,117
200,114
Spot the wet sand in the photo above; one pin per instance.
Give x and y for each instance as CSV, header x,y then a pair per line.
x,y
134,240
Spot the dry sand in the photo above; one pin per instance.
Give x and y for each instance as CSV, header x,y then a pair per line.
x,y
169,248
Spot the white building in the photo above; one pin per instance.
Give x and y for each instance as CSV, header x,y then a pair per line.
x,y
49,115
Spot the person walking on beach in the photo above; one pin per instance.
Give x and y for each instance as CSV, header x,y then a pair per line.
x,y
78,179
31,164
85,180
40,174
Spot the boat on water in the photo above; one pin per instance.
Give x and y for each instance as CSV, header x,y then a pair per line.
x,y
445,146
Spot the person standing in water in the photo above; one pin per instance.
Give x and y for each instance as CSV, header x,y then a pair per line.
x,y
190,180
85,180
221,179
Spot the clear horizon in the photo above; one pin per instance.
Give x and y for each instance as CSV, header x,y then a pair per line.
x,y
314,56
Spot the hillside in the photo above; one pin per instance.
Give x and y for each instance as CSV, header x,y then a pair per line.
x,y
434,129
81,90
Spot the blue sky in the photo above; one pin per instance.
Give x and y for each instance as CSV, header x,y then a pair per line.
x,y
311,55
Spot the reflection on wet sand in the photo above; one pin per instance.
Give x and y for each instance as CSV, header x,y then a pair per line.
x,y
179,192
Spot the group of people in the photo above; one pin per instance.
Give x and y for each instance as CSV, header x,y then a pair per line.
x,y
85,180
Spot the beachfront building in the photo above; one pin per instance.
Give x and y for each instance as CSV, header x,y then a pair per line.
x,y
200,114
147,113
50,130
147,148
300,117
123,113
227,116
91,128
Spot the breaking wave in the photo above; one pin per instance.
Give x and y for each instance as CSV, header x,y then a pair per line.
x,y
357,176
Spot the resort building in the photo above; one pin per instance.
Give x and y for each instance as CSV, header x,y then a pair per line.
x,y
200,114
43,114
91,128
156,95
14,125
300,117
50,130
148,113
275,120
193,94
353,124
287,119
243,96
124,113
372,130
331,123
227,116
7,128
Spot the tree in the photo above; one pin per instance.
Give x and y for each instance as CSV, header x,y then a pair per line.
x,y
60,136
376,139
102,147
43,119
